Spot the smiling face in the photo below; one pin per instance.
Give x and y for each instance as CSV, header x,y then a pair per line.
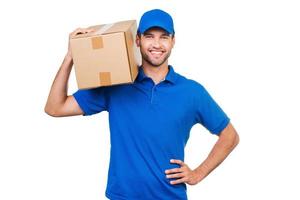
x,y
155,46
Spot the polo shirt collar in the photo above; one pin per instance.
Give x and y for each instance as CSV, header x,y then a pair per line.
x,y
171,76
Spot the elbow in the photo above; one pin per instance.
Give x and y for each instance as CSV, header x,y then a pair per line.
x,y
233,139
51,112
232,142
236,140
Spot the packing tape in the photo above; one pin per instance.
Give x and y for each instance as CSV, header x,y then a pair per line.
x,y
97,42
104,28
105,78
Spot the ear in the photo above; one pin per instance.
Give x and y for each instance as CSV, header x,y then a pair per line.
x,y
138,41
173,41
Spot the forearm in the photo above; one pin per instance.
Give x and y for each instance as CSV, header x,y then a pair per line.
x,y
59,88
222,148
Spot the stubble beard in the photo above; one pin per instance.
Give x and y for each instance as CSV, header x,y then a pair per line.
x,y
153,63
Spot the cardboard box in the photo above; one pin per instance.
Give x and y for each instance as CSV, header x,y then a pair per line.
x,y
106,56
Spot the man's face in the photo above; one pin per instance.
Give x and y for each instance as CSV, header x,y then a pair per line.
x,y
155,46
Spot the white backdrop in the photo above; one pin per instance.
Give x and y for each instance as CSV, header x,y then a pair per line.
x,y
246,53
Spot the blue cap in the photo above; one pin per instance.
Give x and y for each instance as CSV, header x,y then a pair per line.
x,y
156,18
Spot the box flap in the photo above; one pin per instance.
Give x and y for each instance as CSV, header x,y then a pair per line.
x,y
122,26
103,29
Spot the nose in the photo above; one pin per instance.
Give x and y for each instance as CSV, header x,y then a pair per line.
x,y
156,43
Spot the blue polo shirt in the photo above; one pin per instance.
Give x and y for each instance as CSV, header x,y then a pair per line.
x,y
149,125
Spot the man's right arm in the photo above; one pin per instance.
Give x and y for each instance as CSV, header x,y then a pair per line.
x,y
59,104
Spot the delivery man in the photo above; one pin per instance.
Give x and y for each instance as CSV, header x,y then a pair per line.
x,y
150,120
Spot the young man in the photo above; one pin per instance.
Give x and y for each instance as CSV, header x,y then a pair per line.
x,y
150,120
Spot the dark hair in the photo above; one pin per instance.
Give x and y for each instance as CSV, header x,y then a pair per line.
x,y
139,34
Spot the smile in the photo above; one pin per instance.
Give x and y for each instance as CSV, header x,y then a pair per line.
x,y
156,53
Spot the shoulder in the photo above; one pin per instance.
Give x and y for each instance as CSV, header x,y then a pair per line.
x,y
190,84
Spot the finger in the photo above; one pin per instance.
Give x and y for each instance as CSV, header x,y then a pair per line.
x,y
174,170
81,31
90,30
75,32
85,31
179,162
182,180
177,175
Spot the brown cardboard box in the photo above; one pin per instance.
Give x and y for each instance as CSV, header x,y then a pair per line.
x,y
106,56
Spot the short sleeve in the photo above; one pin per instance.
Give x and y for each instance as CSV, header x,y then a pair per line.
x,y
92,101
208,112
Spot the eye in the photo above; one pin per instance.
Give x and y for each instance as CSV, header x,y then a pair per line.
x,y
148,36
165,37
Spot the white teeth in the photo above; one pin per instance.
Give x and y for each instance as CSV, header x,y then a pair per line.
x,y
156,52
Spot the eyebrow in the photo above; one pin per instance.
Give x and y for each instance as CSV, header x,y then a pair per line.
x,y
164,34
147,33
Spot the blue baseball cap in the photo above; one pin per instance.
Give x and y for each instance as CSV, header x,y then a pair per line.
x,y
156,18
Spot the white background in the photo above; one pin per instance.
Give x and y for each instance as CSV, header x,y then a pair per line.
x,y
246,53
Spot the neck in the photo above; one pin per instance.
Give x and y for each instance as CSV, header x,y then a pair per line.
x,y
156,73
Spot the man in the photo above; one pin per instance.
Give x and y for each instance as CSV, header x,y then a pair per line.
x,y
150,120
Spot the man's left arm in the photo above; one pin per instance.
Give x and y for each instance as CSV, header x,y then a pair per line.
x,y
227,141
